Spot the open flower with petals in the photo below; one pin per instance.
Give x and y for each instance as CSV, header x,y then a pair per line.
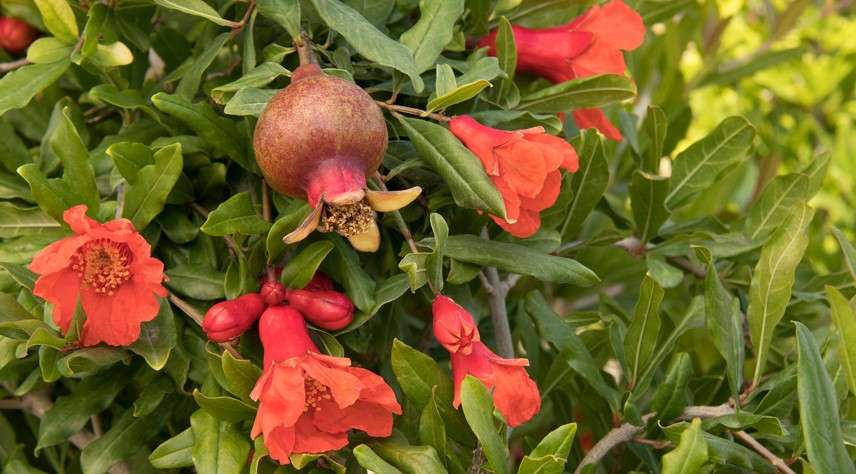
x,y
591,44
515,395
308,402
108,268
523,165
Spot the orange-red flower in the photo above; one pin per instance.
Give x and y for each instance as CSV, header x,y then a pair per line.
x,y
515,395
523,165
108,268
591,44
308,402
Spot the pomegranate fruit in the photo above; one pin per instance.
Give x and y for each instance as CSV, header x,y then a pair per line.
x,y
318,139
15,35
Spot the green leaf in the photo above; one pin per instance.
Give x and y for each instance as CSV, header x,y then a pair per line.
x,y
175,452
518,259
700,165
589,92
848,251
197,8
303,266
644,329
219,447
589,183
261,75
690,454
145,199
48,50
18,87
71,412
189,83
429,36
506,53
20,274
157,337
367,40
371,461
410,459
418,374
130,99
819,418
288,220
219,132
17,221
461,170
59,19
84,362
343,264
459,94
95,19
249,101
770,290
647,198
196,281
432,429
478,409
551,454
236,215
656,126
123,439
845,322
724,322
224,407
284,12
774,204
670,398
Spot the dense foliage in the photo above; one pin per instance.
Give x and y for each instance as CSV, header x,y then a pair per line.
x,y
681,283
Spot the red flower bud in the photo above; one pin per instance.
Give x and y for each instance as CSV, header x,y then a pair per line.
x,y
318,282
454,327
284,335
273,293
326,309
229,319
15,35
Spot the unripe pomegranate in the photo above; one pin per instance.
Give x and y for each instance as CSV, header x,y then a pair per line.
x,y
318,139
283,333
15,35
327,309
273,292
227,320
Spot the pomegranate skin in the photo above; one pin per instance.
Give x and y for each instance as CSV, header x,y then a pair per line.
x,y
318,120
15,35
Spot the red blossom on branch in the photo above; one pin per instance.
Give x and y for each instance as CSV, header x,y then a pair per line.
x,y
108,268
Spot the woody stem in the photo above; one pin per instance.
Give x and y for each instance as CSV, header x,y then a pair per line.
x,y
497,293
303,45
413,111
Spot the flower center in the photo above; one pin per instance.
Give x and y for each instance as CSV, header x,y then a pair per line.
x,y
104,265
347,220
316,392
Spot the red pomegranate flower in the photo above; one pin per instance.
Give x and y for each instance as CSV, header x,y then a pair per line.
x,y
589,45
515,395
524,166
308,402
108,268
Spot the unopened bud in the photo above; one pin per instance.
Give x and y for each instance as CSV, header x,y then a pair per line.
x,y
319,282
229,319
273,293
454,327
283,333
326,309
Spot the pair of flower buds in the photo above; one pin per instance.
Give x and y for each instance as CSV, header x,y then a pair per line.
x,y
318,302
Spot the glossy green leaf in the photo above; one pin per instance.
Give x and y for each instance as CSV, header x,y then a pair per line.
x,y
343,264
18,87
192,78
218,447
506,52
774,204
428,36
59,19
551,454
288,220
845,321
224,408
460,94
236,215
175,452
589,183
196,281
48,50
848,251
370,460
285,12
239,375
410,458
647,198
196,8
18,221
432,429
670,398
819,418
462,171
589,92
146,198
157,337
367,40
690,454
644,329
770,290
700,165
261,75
477,404
300,269
656,126
249,101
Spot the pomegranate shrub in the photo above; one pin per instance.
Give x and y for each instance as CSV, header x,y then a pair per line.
x,y
428,236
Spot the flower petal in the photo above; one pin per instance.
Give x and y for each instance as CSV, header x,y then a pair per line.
x,y
76,218
364,416
280,444
309,439
548,195
515,394
386,201
368,241
61,289
309,224
595,118
527,224
115,319
57,255
344,387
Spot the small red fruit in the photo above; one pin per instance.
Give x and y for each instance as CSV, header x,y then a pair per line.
x,y
273,293
15,35
326,309
229,319
318,139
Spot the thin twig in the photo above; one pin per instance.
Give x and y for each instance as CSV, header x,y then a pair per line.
x,y
120,200
497,292
303,45
776,461
239,27
413,111
12,65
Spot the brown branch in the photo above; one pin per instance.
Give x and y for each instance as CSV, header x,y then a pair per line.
x,y
12,65
238,27
413,111
303,45
776,461
497,292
